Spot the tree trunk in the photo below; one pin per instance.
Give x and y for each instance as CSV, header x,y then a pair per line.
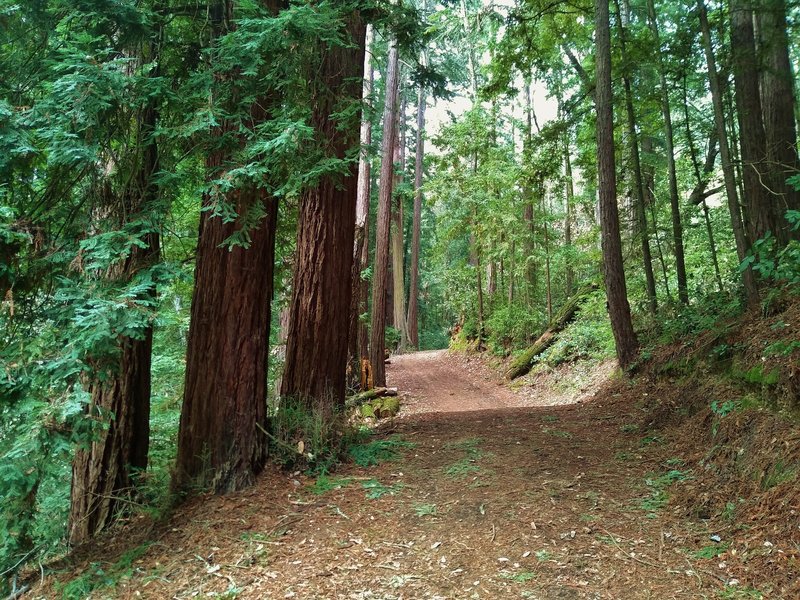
x,y
413,294
614,274
102,473
316,351
527,195
380,275
359,334
699,189
568,202
727,166
523,364
220,439
398,249
778,103
641,214
674,200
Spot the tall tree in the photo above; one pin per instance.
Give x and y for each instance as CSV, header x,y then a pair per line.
x,y
102,472
359,333
220,440
413,294
611,242
633,137
316,350
778,105
672,172
397,246
380,275
742,246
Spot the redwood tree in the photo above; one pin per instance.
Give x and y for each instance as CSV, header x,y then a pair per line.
x,y
380,275
221,441
102,472
616,291
316,350
413,294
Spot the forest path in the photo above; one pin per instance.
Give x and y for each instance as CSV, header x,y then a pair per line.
x,y
536,502
437,381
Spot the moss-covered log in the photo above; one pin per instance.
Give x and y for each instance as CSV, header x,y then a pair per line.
x,y
524,362
362,397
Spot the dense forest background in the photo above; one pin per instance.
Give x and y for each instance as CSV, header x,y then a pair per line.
x,y
215,217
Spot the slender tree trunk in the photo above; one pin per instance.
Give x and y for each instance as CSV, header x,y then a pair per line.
x,y
380,275
669,135
700,187
649,177
614,274
103,474
641,214
397,247
778,104
569,199
527,194
359,334
316,351
748,279
413,294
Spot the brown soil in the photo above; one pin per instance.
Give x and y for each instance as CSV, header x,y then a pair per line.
x,y
498,498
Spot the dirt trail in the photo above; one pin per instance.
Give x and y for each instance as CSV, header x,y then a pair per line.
x,y
503,502
435,381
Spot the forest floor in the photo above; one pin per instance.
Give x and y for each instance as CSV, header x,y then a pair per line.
x,y
495,494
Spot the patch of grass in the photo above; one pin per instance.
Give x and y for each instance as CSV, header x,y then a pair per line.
x,y
658,497
468,445
378,451
779,473
425,510
735,593
674,462
543,555
711,551
96,577
588,518
375,489
558,433
521,577
550,419
324,484
462,468
649,440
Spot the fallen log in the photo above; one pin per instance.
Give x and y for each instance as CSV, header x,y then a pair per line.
x,y
524,362
366,396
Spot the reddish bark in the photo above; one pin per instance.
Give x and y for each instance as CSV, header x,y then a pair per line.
x,y
616,291
316,352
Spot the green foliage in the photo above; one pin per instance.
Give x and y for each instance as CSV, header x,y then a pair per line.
x,y
659,497
711,551
324,484
377,451
376,490
101,576
309,437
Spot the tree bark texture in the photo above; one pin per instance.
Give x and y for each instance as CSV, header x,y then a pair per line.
x,y
359,333
413,293
316,351
221,444
101,472
380,275
778,102
731,191
397,246
641,214
611,243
